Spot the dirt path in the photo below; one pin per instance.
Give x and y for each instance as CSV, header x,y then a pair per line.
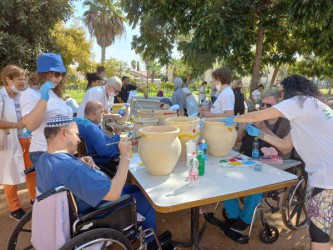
x,y
179,224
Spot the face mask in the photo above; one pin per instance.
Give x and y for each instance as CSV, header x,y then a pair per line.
x,y
218,87
12,87
112,94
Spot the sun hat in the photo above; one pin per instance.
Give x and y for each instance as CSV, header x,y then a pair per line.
x,y
50,62
59,121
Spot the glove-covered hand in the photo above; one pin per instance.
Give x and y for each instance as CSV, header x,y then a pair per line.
x,y
253,131
44,90
229,121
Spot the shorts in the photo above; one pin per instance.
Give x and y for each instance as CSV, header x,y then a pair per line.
x,y
319,203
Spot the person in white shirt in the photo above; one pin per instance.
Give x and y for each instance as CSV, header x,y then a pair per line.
x,y
225,102
42,100
192,105
311,134
103,94
202,92
255,96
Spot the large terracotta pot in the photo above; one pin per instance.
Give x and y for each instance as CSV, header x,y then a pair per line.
x,y
143,122
189,130
161,115
159,149
220,138
115,110
145,113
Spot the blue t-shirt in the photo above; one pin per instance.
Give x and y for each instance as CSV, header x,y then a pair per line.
x,y
89,186
97,141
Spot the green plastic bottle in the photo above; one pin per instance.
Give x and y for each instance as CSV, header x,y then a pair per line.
x,y
201,161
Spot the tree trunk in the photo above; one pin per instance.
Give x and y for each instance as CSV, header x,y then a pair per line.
x,y
276,70
330,88
103,55
257,59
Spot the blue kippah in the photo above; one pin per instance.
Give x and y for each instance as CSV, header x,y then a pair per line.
x,y
59,121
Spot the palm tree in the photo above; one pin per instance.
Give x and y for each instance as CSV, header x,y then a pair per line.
x,y
105,21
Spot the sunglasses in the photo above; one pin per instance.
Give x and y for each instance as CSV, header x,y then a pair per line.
x,y
268,105
58,74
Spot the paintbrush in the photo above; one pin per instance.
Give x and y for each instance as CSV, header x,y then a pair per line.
x,y
116,142
236,156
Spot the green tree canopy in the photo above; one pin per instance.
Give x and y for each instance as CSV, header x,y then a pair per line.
x,y
25,29
73,46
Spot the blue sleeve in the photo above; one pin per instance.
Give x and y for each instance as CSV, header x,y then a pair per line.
x,y
98,140
90,185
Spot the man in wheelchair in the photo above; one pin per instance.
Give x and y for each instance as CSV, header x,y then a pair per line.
x,y
240,219
90,187
103,148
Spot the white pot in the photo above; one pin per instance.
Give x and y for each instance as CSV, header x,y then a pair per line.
x,y
189,130
161,115
220,138
159,149
143,122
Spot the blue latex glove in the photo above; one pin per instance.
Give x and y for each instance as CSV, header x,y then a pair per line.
x,y
229,121
44,90
253,131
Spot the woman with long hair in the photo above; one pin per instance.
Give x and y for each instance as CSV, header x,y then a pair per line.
x,y
42,100
311,134
16,138
94,79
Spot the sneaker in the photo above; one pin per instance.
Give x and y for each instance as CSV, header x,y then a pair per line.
x,y
239,226
18,214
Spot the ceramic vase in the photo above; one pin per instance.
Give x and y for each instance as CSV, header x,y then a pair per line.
x,y
115,110
189,130
143,122
159,149
161,115
145,113
220,138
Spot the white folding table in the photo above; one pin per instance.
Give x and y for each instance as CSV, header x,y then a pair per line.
x,y
172,192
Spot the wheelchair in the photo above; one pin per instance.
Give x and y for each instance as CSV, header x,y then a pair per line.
x,y
114,229
292,207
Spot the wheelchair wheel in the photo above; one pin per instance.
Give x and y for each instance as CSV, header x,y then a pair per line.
x,y
21,235
103,236
269,235
294,214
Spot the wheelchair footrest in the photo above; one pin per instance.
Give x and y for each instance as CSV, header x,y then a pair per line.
x,y
235,236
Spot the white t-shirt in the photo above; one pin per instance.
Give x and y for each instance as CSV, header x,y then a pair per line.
x,y
256,94
95,94
312,135
55,106
202,94
225,101
192,105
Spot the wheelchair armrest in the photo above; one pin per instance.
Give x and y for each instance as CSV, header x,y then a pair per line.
x,y
51,192
110,205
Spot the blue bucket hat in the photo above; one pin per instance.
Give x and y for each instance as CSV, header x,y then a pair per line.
x,y
50,62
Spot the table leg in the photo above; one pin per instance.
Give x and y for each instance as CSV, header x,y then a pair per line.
x,y
194,244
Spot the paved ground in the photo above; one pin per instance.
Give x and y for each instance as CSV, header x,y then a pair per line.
x,y
179,224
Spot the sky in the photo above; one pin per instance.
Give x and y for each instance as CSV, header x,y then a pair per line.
x,y
120,49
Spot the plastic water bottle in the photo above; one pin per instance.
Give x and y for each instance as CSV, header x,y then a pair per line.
x,y
255,148
201,160
204,147
193,172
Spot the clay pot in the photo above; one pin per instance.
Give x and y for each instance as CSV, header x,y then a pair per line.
x,y
161,115
220,138
145,113
159,149
115,110
189,130
143,122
